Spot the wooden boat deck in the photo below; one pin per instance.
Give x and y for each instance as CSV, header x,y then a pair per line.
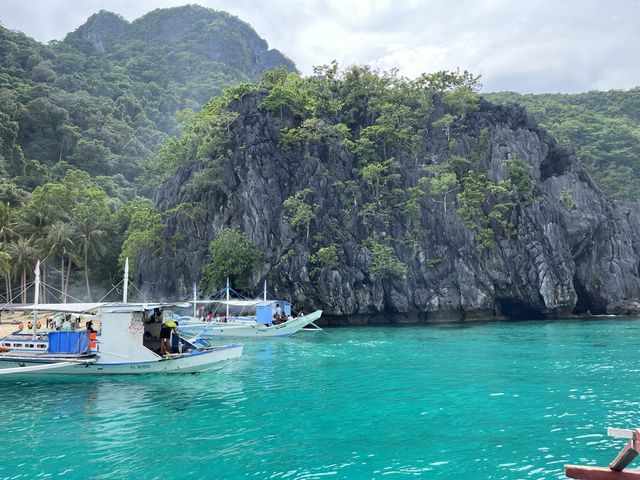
x,y
616,469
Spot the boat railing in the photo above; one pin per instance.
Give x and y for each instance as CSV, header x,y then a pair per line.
x,y
616,469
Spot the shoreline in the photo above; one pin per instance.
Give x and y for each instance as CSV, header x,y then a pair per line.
x,y
394,319
10,320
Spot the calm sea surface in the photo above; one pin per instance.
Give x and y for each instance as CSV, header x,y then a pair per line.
x,y
498,401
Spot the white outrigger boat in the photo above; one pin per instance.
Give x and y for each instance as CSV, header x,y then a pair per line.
x,y
257,318
127,342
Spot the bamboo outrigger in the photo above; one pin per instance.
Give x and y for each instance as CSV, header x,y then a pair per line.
x,y
615,470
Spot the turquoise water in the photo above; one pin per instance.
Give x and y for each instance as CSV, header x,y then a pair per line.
x,y
488,401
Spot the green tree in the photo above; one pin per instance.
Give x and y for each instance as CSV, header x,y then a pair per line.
x,y
521,178
23,252
143,230
233,256
59,242
380,178
325,258
444,123
6,265
384,262
442,184
287,96
299,213
471,200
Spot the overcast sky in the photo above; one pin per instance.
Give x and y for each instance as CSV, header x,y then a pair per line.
x,y
524,46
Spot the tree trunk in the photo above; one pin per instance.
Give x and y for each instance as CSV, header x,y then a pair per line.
x,y
62,293
66,283
7,280
23,296
43,290
86,273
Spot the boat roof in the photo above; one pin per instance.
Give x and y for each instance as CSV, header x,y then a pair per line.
x,y
93,307
231,303
240,303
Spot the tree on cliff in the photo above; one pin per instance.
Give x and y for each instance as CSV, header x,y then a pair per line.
x,y
233,256
299,213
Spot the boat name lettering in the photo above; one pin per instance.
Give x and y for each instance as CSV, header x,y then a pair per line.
x,y
138,367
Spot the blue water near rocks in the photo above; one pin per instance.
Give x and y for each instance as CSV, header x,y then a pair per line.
x,y
480,401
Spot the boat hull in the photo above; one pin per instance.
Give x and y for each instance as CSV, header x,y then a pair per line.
x,y
193,362
213,330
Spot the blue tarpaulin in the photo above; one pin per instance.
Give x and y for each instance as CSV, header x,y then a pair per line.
x,y
68,342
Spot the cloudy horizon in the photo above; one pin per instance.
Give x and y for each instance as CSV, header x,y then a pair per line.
x,y
542,47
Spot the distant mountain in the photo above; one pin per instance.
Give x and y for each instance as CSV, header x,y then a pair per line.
x,y
182,47
106,97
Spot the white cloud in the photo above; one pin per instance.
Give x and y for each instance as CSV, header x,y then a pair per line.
x,y
523,46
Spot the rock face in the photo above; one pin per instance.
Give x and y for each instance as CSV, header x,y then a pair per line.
x,y
574,250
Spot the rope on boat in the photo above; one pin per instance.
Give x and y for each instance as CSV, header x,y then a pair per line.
x,y
322,330
112,289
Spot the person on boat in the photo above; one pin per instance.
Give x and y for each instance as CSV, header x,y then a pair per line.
x,y
66,325
166,331
93,335
278,310
29,325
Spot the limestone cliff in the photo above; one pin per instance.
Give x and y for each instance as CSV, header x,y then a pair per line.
x,y
573,251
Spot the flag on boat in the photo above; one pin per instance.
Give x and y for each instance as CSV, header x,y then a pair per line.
x,y
37,269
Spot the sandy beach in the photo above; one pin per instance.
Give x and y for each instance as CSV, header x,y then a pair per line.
x,y
9,321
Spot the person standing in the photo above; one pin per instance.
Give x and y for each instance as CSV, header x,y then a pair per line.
x,y
167,329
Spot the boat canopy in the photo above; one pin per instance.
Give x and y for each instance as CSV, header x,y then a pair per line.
x,y
94,307
231,303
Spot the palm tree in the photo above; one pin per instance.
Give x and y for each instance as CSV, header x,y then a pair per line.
x,y
5,269
23,251
90,235
61,245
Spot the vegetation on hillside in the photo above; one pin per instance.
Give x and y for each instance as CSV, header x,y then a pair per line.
x,y
91,123
102,102
602,127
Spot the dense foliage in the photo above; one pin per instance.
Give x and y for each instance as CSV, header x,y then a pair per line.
x,y
89,123
233,256
602,127
103,101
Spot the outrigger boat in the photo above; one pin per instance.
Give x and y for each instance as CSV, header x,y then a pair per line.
x,y
245,318
127,342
